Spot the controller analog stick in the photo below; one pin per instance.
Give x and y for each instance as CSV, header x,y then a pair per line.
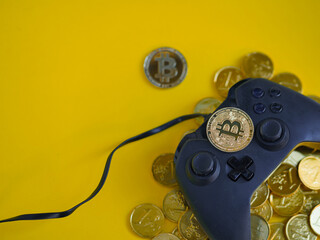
x,y
202,164
271,130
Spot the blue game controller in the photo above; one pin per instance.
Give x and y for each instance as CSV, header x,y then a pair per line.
x,y
221,164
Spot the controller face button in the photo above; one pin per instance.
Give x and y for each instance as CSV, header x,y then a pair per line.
x,y
202,164
259,108
276,108
270,130
240,168
274,92
257,93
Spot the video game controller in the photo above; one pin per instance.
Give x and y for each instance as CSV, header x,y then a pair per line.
x,y
221,164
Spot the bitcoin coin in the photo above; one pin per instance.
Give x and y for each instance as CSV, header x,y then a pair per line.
x,y
177,233
298,228
312,199
165,67
190,228
174,205
294,158
309,172
288,80
225,78
165,236
147,220
289,205
206,106
163,169
257,65
265,211
277,231
315,98
260,196
230,129
315,219
285,180
260,229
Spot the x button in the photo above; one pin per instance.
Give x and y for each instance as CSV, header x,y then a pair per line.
x,y
240,168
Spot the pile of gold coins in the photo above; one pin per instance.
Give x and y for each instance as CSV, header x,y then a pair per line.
x,y
285,206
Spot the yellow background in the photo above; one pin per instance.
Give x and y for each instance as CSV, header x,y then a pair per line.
x,y
73,87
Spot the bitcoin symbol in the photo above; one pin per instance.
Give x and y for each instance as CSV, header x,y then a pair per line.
x,y
232,129
166,68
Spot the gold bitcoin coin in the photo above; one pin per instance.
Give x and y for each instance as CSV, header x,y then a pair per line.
x,y
260,196
174,205
257,65
315,219
288,80
298,228
206,106
284,181
147,220
230,129
309,172
315,98
190,228
287,206
165,67
312,199
163,169
165,236
265,211
177,233
294,158
260,229
225,78
277,231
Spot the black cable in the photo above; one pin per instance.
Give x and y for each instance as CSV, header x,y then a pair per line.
x,y
39,216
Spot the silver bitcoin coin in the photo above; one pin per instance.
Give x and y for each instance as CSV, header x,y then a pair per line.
x,y
165,67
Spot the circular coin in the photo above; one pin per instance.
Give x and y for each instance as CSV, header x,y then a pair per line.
x,y
260,229
147,220
309,172
288,80
225,78
294,158
206,106
190,228
277,231
165,67
315,219
230,129
265,211
312,199
257,65
287,206
165,236
174,205
163,169
285,180
260,196
177,233
298,228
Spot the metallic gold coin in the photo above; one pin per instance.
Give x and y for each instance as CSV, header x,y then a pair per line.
x,y
206,106
287,206
277,231
288,80
309,172
163,169
284,181
177,233
315,98
315,219
298,228
260,196
165,236
294,158
312,199
230,129
257,65
174,205
265,211
225,78
165,67
260,229
147,220
190,228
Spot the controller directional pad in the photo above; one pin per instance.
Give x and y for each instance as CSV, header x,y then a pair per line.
x,y
240,168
